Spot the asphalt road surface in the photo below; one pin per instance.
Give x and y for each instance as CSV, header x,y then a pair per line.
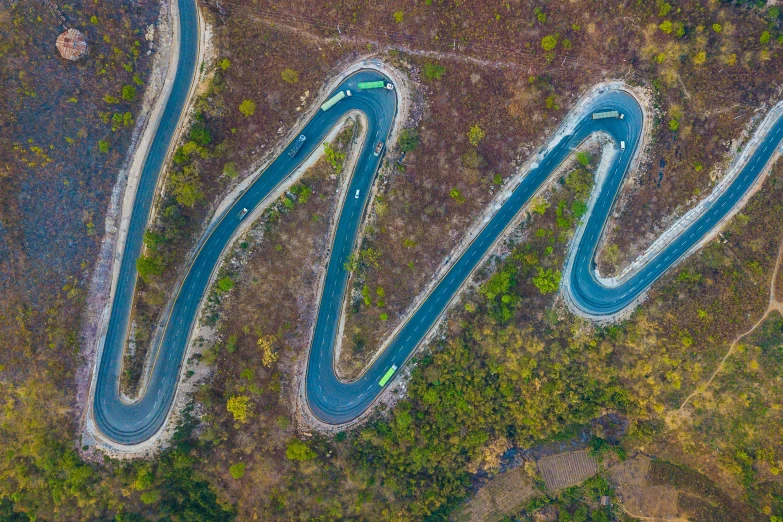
x,y
331,400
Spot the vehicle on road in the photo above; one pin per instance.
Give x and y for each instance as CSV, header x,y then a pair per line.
x,y
389,86
242,214
379,84
606,114
331,102
387,375
378,148
622,145
357,195
297,145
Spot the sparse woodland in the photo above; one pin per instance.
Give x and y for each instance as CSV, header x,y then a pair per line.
x,y
513,369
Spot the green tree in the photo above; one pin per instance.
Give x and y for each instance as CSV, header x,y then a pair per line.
x,y
666,26
334,157
148,266
298,450
764,38
186,186
128,92
247,107
200,134
103,146
549,42
150,497
153,240
225,63
475,135
409,140
547,281
399,16
239,406
289,75
144,478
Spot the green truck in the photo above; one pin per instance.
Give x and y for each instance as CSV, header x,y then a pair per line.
x,y
387,375
334,99
380,84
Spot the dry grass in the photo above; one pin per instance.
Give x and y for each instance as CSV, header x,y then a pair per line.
x,y
638,496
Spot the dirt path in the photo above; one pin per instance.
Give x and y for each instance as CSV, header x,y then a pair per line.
x,y
640,517
674,418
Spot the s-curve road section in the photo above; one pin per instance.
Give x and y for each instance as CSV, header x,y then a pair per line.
x,y
331,400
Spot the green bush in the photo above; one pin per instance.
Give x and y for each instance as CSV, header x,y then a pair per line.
x,y
298,450
247,107
457,196
225,284
433,71
237,470
409,140
230,169
103,146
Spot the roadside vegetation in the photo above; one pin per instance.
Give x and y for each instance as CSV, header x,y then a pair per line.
x,y
213,157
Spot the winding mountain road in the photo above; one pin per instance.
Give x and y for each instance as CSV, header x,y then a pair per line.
x,y
331,400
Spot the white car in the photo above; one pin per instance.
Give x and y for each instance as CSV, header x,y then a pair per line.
x,y
622,145
242,214
357,195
